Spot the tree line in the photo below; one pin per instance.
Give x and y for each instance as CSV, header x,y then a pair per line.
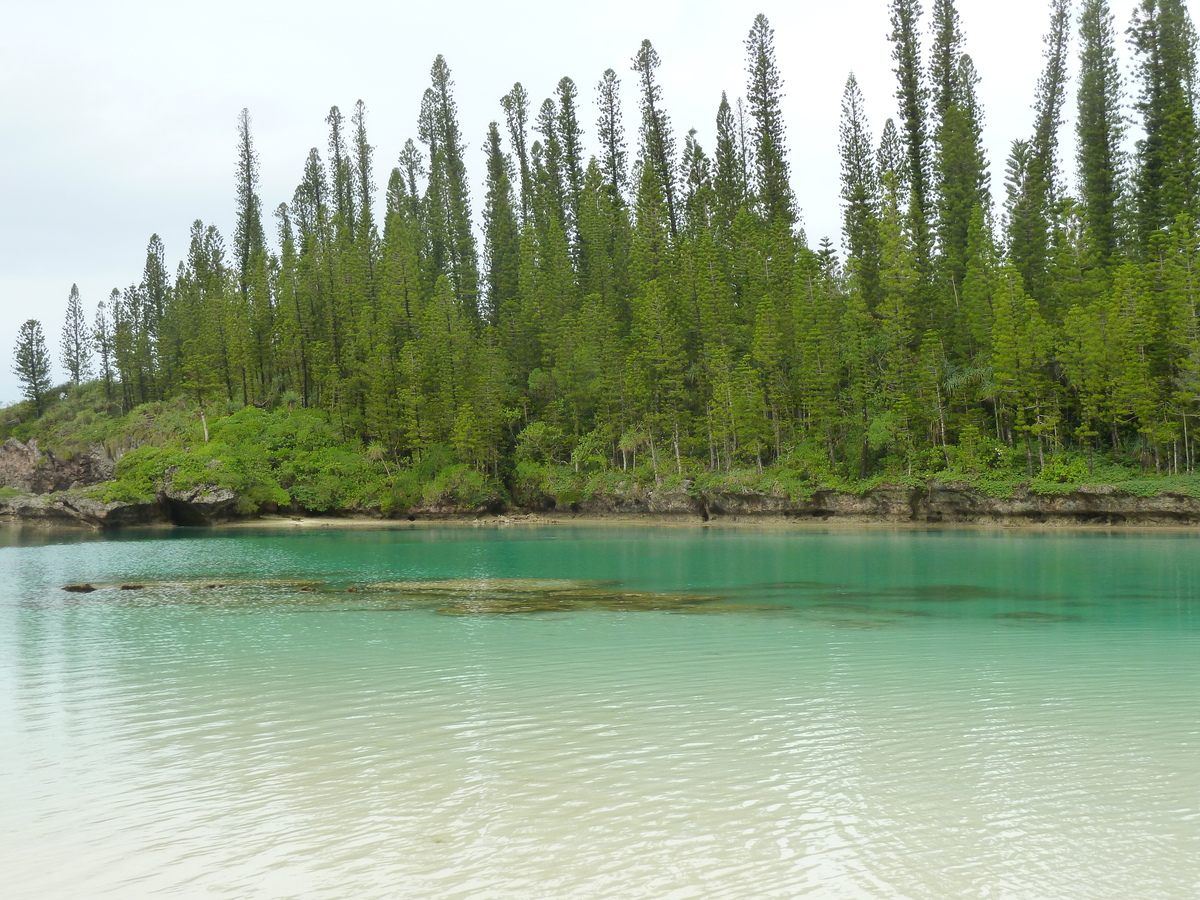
x,y
650,300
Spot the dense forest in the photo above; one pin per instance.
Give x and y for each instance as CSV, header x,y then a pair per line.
x,y
649,307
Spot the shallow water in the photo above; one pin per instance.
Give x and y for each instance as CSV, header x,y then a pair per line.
x,y
861,714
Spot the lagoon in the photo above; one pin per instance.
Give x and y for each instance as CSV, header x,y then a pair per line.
x,y
668,713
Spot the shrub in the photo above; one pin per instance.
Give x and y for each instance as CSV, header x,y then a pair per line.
x,y
333,478
139,474
460,486
540,443
404,493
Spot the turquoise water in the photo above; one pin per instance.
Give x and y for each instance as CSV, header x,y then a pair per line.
x,y
861,714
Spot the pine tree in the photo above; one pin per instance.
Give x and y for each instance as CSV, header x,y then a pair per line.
x,y
248,239
947,49
729,175
448,195
912,94
860,193
342,209
971,337
570,135
1033,168
890,158
1099,131
76,356
658,143
962,178
698,194
611,132
1166,183
250,252
548,178
363,183
101,338
156,284
763,94
293,334
1022,344
31,363
516,114
502,243
412,171
1051,95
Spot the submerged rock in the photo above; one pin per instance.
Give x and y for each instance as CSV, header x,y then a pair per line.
x,y
293,584
484,585
717,608
78,588
1033,616
562,598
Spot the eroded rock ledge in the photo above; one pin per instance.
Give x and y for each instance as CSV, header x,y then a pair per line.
x,y
932,503
199,506
935,502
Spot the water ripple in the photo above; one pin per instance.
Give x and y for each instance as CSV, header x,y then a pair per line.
x,y
152,749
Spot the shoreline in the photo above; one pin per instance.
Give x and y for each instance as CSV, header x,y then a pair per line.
x,y
764,523
936,505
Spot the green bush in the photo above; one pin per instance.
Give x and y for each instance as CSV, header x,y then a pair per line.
x,y
540,442
530,484
432,460
138,475
1065,469
460,486
405,492
333,478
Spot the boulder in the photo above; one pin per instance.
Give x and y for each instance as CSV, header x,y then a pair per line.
x,y
205,504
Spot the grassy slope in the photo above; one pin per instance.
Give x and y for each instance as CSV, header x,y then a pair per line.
x,y
286,457
291,457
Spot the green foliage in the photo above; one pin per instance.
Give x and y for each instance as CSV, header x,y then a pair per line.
x,y
459,486
31,363
540,442
334,479
139,475
653,319
404,492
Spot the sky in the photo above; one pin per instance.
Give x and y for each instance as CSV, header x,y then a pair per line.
x,y
120,117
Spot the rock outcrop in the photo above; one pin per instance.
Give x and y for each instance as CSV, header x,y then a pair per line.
x,y
201,505
32,470
1098,505
928,504
75,509
933,503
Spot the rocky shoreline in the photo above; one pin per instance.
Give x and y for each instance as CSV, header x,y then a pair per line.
x,y
930,504
936,503
45,489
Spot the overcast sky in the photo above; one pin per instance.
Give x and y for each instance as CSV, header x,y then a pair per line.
x,y
120,117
